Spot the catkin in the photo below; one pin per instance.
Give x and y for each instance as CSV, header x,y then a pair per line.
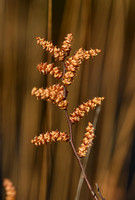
x,y
52,136
73,63
85,108
54,93
87,140
49,47
9,189
66,45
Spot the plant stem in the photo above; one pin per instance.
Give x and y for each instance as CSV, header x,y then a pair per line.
x,y
77,157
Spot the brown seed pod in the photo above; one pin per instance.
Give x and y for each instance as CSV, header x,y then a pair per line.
x,y
52,136
87,140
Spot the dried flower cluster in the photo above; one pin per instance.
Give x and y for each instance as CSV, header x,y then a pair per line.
x,y
9,189
54,93
85,108
87,140
72,63
50,137
57,93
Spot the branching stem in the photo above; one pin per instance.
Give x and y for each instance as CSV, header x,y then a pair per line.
x,y
77,157
73,147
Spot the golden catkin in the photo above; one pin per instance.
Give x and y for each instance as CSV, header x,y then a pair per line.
x,y
87,140
9,189
66,45
54,93
52,136
91,53
73,63
45,68
85,108
49,47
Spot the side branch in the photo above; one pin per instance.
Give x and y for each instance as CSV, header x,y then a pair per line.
x,y
77,157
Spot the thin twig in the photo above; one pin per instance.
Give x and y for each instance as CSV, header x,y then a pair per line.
x,y
87,156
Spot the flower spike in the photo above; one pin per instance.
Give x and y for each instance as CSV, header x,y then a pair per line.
x,y
85,108
73,63
49,47
66,45
9,189
52,136
87,140
54,93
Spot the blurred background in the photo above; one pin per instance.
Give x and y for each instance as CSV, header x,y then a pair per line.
x,y
51,172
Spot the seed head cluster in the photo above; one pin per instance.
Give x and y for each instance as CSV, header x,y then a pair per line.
x,y
50,137
87,140
9,189
85,108
54,94
57,93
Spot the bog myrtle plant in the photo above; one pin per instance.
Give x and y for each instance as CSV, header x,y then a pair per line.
x,y
57,94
